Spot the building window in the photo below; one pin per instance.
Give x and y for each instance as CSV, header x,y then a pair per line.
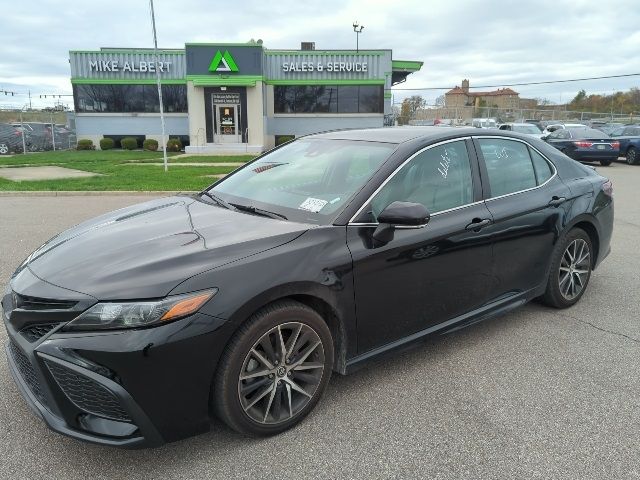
x,y
328,99
129,98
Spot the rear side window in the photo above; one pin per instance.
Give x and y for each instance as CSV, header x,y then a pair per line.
x,y
509,166
541,167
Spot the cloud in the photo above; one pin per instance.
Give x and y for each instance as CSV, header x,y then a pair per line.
x,y
488,42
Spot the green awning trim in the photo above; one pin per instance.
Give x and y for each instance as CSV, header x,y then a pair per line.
x,y
325,53
328,81
126,81
133,51
224,80
404,65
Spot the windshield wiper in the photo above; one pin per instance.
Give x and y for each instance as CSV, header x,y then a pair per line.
x,y
218,200
258,211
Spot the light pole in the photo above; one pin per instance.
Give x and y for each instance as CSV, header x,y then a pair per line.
x,y
155,50
358,29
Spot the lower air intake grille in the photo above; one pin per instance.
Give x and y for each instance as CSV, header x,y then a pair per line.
x,y
27,372
87,394
36,332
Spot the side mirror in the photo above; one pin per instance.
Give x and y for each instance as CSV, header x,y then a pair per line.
x,y
400,215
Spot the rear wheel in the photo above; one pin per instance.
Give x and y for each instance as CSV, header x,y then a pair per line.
x,y
570,270
606,163
274,370
632,156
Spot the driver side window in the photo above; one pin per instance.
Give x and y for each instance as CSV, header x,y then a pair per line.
x,y
439,178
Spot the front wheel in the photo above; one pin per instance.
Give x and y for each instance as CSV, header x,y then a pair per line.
x,y
570,270
4,149
632,156
274,370
606,163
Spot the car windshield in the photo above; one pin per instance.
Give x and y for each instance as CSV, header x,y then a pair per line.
x,y
526,129
307,180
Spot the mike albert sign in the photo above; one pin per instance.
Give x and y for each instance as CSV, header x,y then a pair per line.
x,y
140,66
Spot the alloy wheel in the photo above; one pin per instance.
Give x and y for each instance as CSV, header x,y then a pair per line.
x,y
281,373
632,155
3,149
574,269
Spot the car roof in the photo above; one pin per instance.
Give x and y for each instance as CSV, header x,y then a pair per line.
x,y
397,134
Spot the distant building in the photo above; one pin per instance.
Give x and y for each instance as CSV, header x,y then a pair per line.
x,y
462,97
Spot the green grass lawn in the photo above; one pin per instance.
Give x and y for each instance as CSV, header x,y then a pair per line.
x,y
121,170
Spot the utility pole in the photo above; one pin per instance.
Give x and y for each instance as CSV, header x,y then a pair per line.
x,y
358,29
53,133
155,53
30,100
24,142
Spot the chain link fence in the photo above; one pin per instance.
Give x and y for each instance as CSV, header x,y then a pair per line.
x,y
36,131
465,115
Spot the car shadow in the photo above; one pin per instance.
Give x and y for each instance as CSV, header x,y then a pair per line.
x,y
343,392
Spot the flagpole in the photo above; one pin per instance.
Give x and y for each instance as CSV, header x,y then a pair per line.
x,y
155,52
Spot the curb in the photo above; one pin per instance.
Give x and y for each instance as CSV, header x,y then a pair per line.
x,y
45,193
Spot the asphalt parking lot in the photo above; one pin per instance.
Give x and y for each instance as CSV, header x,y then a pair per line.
x,y
537,393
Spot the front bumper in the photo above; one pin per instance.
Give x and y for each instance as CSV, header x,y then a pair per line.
x,y
595,155
137,433
131,389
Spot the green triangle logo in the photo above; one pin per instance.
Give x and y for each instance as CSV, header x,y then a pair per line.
x,y
223,62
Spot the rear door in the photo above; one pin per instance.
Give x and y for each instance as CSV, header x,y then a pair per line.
x,y
528,203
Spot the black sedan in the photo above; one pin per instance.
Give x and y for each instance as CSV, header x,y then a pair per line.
x,y
629,138
585,144
134,328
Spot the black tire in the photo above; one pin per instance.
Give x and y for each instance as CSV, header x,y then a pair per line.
x,y
606,163
227,395
4,149
555,295
633,158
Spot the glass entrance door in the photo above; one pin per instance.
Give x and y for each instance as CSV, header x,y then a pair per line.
x,y
227,129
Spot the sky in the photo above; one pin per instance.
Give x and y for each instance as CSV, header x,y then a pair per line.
x,y
490,42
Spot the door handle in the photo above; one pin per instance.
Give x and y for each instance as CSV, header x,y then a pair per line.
x,y
557,201
478,224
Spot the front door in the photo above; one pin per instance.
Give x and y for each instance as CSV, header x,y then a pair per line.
x,y
422,277
227,128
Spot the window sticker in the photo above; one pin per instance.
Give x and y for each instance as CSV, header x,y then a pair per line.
x,y
313,204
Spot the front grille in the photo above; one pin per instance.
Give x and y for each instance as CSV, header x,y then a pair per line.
x,y
34,303
88,395
26,370
36,332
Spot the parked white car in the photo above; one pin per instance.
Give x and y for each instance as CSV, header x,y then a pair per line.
x,y
526,128
484,123
557,126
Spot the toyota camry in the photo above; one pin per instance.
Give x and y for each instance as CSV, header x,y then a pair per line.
x,y
137,327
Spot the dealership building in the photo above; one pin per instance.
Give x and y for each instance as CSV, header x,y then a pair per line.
x,y
226,98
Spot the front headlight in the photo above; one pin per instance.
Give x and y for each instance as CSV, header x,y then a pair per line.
x,y
109,315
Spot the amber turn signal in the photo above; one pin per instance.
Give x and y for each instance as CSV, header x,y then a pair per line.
x,y
187,306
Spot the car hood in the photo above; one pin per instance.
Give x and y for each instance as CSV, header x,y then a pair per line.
x,y
146,250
